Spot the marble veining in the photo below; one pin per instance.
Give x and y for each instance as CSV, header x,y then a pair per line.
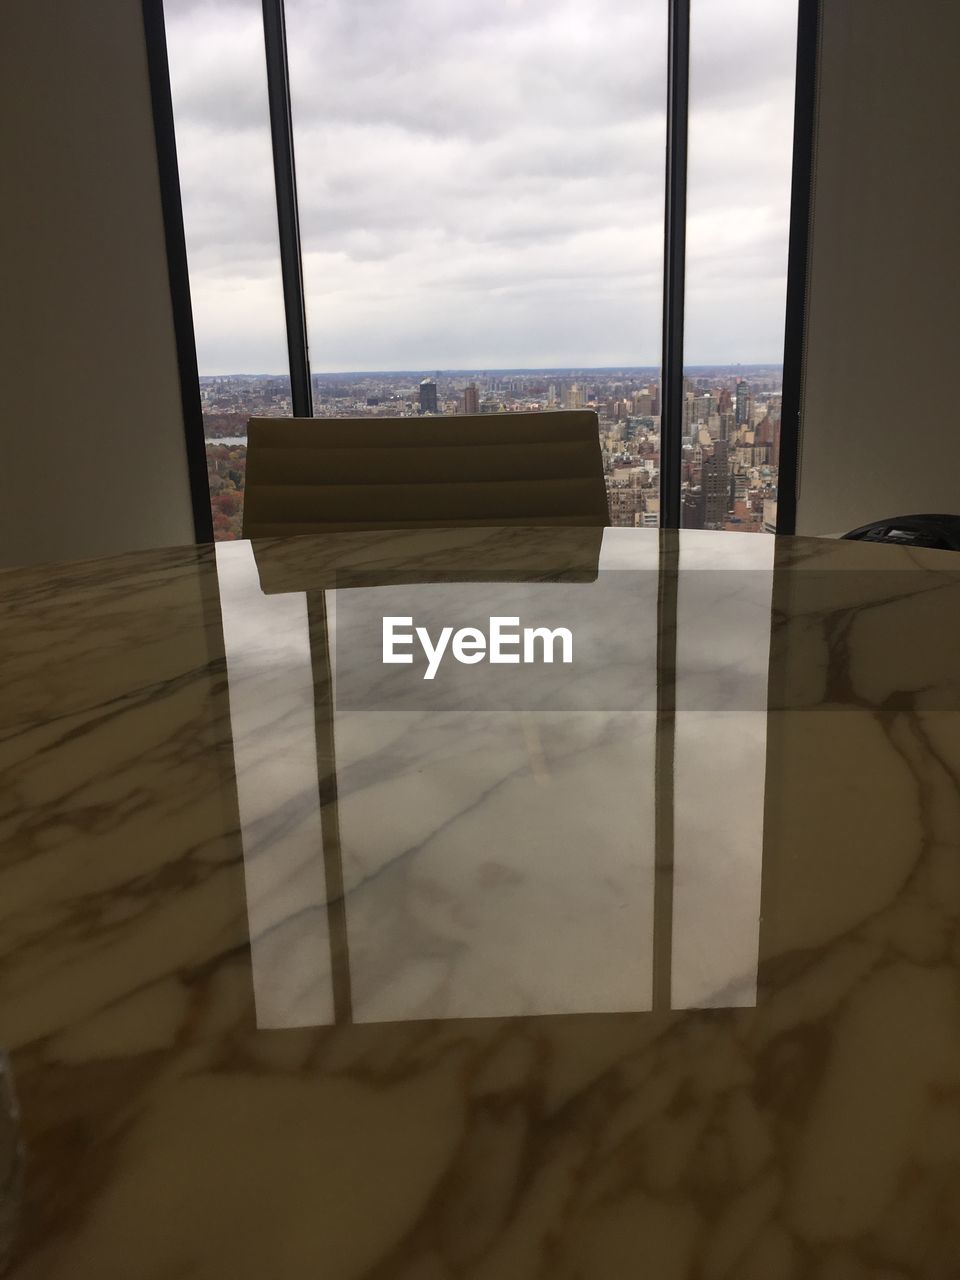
x,y
292,991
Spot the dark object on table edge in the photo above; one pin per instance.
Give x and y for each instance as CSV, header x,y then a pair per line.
x,y
940,531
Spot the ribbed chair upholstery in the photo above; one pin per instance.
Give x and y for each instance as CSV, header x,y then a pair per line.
x,y
317,475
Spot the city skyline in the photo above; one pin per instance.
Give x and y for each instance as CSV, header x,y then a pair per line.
x,y
730,429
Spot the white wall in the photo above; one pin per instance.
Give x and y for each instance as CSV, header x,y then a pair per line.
x,y
879,433
92,456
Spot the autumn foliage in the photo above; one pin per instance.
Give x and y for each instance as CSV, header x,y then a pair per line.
x,y
226,471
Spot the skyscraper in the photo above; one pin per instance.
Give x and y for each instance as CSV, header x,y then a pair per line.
x,y
715,480
471,399
428,396
692,508
743,403
764,432
643,404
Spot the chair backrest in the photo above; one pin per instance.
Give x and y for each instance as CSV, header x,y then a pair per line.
x,y
316,475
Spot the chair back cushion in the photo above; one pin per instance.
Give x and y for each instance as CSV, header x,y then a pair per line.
x,y
314,475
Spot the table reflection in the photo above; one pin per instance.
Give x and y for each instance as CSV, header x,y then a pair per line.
x,y
450,860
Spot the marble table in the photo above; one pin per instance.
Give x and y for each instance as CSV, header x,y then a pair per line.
x,y
645,967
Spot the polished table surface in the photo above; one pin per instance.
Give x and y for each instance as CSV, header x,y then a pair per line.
x,y
651,970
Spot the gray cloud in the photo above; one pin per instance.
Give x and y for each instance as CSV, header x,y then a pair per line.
x,y
481,183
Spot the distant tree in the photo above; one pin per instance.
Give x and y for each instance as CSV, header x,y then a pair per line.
x,y
226,472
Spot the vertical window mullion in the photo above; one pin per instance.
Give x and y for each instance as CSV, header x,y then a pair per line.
x,y
674,262
804,136
177,269
288,213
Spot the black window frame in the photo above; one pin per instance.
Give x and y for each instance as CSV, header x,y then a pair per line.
x,y
674,260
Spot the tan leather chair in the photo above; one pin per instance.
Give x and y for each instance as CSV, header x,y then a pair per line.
x,y
317,475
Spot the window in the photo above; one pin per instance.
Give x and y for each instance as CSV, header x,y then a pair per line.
x,y
742,71
219,88
481,206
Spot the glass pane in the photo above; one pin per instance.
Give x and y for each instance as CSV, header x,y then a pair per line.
x,y
742,74
481,208
219,85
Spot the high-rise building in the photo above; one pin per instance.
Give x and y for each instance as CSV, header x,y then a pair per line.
x,y
624,501
691,509
471,399
649,515
688,411
428,396
715,481
743,403
643,404
703,406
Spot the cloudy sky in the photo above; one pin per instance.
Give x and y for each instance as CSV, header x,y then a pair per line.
x,y
481,181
